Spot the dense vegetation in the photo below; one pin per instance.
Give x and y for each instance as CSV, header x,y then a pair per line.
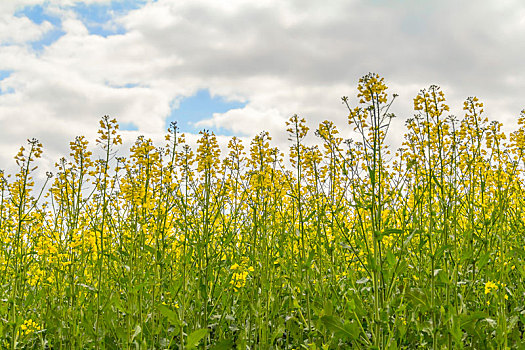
x,y
340,244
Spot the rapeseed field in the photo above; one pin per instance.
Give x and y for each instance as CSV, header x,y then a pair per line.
x,y
340,244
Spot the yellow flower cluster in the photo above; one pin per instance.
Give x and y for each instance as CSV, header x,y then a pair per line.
x,y
240,273
371,87
494,287
29,326
490,286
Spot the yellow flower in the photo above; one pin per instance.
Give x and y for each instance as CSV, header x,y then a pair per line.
x,y
489,286
29,326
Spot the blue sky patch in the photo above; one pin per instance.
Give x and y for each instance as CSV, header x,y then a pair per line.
x,y
38,14
128,127
99,19
5,74
199,107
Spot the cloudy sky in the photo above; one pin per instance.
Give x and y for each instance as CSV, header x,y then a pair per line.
x,y
238,67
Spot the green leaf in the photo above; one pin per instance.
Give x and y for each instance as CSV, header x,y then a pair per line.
x,y
195,337
223,345
390,258
483,260
115,301
472,318
346,330
328,308
417,298
441,250
170,314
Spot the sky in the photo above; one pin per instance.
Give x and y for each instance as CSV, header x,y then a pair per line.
x,y
239,67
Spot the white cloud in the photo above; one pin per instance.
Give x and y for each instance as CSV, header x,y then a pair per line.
x,y
246,121
19,30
